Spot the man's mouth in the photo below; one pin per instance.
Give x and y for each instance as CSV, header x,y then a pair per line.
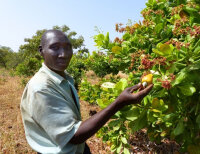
x,y
62,61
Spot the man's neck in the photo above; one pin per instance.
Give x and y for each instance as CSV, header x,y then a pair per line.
x,y
60,73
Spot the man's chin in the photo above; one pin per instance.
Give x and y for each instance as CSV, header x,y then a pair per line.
x,y
59,69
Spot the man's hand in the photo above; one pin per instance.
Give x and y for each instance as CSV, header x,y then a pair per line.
x,y
127,97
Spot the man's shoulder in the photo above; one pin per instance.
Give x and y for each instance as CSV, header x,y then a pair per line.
x,y
40,81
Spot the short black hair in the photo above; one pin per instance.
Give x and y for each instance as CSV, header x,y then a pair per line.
x,y
43,39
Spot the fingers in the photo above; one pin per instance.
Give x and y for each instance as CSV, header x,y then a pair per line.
x,y
135,87
145,91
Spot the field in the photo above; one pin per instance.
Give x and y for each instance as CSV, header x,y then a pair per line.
x,y
12,138
11,128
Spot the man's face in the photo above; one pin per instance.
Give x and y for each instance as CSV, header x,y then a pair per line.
x,y
57,51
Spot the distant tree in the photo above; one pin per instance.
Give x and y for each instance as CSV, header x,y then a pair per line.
x,y
8,58
77,67
3,53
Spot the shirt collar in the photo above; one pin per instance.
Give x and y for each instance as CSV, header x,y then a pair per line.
x,y
56,77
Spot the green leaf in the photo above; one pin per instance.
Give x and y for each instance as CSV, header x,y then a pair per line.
x,y
158,28
121,85
126,36
179,2
155,110
197,50
179,128
163,134
190,10
113,147
155,103
102,103
116,49
116,128
180,77
114,123
160,93
158,105
157,52
124,140
126,151
163,49
140,122
198,119
119,148
195,66
169,117
187,89
132,114
150,117
195,47
146,100
99,39
106,40
166,48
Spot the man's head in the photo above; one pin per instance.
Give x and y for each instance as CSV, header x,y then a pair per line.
x,y
56,49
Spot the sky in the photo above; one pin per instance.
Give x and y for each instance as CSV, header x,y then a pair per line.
x,y
21,19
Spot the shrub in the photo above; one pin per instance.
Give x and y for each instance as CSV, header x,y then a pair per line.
x,y
166,43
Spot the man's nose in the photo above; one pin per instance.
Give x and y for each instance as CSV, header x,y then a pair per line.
x,y
62,53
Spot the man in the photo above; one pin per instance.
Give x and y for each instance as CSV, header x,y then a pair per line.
x,y
50,106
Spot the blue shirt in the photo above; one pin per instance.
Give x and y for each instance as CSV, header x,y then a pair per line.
x,y
50,115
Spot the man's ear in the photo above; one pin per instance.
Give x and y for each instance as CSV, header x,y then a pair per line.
x,y
40,50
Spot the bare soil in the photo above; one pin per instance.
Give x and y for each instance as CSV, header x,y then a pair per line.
x,y
12,138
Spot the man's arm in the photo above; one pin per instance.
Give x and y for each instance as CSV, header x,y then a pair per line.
x,y
94,123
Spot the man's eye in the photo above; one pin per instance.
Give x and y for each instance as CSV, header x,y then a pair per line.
x,y
55,47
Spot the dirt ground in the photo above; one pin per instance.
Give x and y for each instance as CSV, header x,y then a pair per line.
x,y
12,139
96,145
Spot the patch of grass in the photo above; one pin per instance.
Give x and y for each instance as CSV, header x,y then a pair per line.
x,y
12,73
24,81
12,137
2,80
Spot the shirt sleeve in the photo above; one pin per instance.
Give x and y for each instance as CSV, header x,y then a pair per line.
x,y
55,115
